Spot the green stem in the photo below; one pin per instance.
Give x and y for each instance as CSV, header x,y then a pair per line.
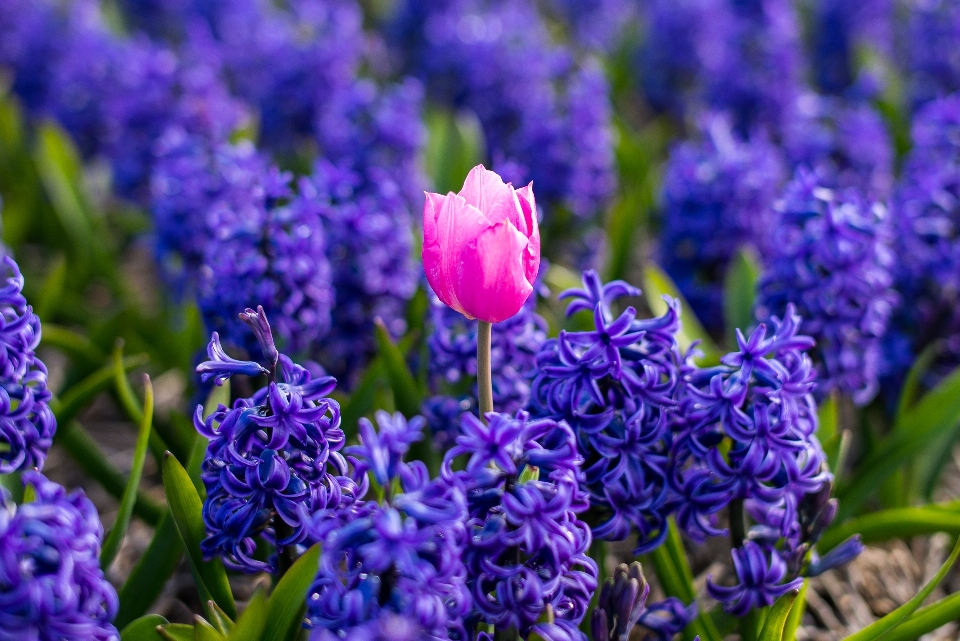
x,y
738,529
484,377
286,554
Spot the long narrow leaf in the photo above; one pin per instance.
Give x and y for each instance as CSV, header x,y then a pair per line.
x,y
897,523
776,621
129,400
186,507
656,284
74,345
927,619
796,613
151,572
112,543
176,632
739,292
878,628
252,622
287,604
203,631
91,459
143,629
406,394
69,404
939,410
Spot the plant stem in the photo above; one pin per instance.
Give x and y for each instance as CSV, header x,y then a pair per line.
x,y
738,526
484,378
286,554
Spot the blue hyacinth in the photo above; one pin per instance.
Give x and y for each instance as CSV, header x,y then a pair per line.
x,y
718,196
53,587
273,459
832,260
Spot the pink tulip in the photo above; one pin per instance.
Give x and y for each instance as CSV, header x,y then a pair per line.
x,y
481,247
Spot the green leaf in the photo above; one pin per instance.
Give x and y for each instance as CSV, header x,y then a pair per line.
x,y
91,459
288,603
911,385
219,618
896,523
455,145
129,400
362,401
927,619
203,631
406,394
656,284
739,293
151,572
112,543
52,290
186,507
74,345
796,613
60,169
68,405
773,627
676,577
143,629
878,628
176,632
920,427
253,621
161,557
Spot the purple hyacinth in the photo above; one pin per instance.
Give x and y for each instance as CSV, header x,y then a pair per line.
x,y
755,73
616,385
27,424
718,196
839,29
496,60
833,261
926,215
53,587
846,143
526,547
264,243
761,578
622,604
273,458
759,400
452,358
391,569
930,30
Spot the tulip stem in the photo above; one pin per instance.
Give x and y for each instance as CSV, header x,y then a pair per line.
x,y
484,378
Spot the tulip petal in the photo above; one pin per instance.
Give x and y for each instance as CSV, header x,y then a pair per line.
x,y
530,228
485,190
491,282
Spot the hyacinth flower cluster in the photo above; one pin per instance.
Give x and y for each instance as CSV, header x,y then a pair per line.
x,y
718,197
550,120
52,584
840,29
929,29
616,385
745,442
27,424
273,458
846,143
926,218
392,566
452,364
622,604
526,547
833,261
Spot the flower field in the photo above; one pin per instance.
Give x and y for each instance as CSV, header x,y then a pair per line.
x,y
479,320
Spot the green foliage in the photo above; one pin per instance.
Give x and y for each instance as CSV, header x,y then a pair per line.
x,y
186,508
775,625
143,629
287,604
656,284
739,293
455,145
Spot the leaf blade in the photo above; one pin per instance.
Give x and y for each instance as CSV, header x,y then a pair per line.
x,y
776,621
289,598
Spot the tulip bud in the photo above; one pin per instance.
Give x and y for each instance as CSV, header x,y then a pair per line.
x,y
481,247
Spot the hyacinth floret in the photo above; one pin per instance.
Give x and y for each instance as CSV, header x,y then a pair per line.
x,y
526,545
51,584
616,385
760,574
273,458
391,569
834,262
27,424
